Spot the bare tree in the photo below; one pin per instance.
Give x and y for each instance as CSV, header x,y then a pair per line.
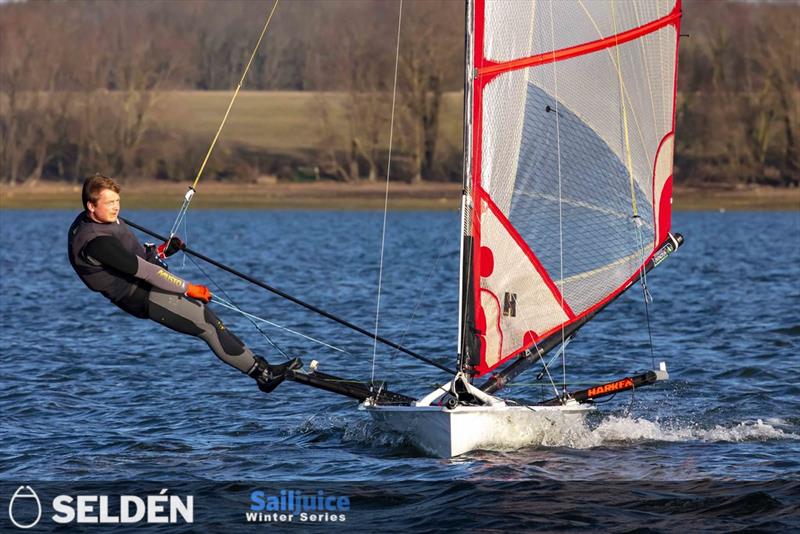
x,y
16,61
83,95
358,67
30,71
138,62
781,52
430,62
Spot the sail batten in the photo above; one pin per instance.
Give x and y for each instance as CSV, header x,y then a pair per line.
x,y
495,64
572,109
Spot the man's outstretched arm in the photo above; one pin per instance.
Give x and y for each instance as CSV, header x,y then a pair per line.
x,y
111,253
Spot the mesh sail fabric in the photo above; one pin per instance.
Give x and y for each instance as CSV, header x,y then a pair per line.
x,y
573,106
513,26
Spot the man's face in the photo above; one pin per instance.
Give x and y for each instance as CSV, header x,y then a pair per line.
x,y
107,207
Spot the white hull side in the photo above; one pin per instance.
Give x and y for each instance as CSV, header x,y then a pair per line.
x,y
446,433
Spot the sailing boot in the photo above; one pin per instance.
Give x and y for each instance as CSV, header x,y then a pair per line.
x,y
269,376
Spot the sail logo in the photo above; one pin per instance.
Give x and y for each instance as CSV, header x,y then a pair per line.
x,y
27,493
510,305
619,385
290,505
662,254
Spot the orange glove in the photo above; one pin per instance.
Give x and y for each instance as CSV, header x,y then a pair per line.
x,y
198,292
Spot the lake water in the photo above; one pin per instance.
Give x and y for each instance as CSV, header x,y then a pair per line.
x,y
90,394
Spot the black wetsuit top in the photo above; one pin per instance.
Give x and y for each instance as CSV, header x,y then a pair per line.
x,y
110,260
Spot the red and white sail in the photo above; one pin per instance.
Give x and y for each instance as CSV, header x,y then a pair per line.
x,y
570,121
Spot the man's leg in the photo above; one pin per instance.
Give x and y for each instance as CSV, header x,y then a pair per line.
x,y
189,316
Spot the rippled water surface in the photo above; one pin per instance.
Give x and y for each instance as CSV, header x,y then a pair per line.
x,y
92,394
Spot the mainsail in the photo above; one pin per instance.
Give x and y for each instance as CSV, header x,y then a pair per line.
x,y
570,115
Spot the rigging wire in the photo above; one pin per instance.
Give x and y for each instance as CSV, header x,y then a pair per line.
x,y
295,300
560,213
561,351
232,306
386,196
648,298
187,199
637,220
228,303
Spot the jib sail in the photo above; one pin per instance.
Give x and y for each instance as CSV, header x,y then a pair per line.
x,y
570,115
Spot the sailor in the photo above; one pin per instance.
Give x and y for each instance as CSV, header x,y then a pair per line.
x,y
109,259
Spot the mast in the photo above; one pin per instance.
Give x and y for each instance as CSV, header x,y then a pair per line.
x,y
464,301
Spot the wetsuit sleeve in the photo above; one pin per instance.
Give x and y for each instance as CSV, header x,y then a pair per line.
x,y
111,253
159,277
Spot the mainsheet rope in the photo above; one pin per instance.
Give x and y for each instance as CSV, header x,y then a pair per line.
x,y
561,351
386,196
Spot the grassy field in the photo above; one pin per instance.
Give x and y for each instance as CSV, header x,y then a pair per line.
x,y
338,196
321,195
275,120
288,122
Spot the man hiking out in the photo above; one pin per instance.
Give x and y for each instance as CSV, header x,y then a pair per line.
x,y
109,259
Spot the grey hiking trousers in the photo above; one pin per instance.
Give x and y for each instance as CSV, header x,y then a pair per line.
x,y
189,316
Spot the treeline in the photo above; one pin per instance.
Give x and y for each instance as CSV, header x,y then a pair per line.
x,y
738,116
82,93
81,84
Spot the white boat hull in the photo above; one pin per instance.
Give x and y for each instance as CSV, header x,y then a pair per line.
x,y
445,433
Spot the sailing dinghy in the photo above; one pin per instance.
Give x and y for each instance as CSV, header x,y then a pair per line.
x,y
569,133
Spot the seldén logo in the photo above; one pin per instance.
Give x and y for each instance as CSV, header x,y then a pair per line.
x,y
102,509
288,506
23,498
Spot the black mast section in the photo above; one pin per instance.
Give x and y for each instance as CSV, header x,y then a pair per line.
x,y
306,305
467,348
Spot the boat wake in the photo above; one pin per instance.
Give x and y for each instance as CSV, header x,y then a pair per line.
x,y
561,430
564,431
615,429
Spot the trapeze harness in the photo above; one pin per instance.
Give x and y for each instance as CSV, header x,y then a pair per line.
x,y
109,259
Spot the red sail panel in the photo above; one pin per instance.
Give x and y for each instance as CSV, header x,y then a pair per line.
x,y
571,149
